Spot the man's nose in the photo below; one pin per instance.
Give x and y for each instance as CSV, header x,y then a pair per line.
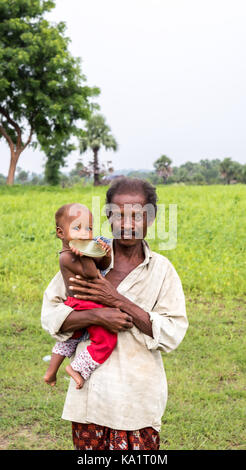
x,y
128,222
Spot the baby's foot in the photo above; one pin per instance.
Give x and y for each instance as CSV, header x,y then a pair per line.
x,y
76,376
50,378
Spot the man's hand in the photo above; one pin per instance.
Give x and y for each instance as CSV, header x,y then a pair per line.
x,y
114,320
97,290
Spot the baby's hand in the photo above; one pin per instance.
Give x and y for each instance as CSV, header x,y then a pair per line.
x,y
76,252
106,247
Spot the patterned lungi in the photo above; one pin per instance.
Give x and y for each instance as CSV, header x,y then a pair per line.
x,y
95,437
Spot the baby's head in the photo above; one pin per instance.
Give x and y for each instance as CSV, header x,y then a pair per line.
x,y
74,221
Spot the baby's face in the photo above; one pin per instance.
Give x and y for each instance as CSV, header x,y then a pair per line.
x,y
78,224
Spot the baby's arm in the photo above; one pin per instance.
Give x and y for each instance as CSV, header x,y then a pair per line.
x,y
70,262
101,262
72,265
104,262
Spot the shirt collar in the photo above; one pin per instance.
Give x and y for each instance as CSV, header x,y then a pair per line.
x,y
147,254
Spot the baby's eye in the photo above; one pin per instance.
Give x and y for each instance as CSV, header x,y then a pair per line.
x,y
89,229
117,215
76,228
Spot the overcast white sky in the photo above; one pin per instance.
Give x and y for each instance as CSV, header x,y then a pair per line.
x,y
172,75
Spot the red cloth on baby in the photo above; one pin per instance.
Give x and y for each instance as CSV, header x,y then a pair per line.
x,y
102,341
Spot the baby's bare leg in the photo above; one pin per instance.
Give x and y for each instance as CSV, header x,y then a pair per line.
x,y
55,362
76,376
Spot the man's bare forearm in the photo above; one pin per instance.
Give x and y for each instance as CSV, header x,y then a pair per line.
x,y
112,319
140,318
79,319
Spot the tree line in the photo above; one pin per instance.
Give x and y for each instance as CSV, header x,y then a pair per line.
x,y
204,172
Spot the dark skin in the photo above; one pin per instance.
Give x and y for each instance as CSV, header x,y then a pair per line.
x,y
121,313
79,225
75,223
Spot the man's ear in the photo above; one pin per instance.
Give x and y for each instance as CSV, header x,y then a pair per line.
x,y
59,233
150,220
151,214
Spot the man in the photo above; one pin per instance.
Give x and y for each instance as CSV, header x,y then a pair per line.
x,y
121,405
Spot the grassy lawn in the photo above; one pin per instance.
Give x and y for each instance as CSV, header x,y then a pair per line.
x,y
206,374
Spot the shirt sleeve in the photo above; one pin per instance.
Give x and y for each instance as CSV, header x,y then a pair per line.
x,y
168,317
54,312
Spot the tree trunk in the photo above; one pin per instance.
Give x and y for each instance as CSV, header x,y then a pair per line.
x,y
96,167
164,179
12,167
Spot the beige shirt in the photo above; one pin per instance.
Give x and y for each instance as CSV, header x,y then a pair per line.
x,y
129,391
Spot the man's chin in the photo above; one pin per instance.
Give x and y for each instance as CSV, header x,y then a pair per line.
x,y
129,241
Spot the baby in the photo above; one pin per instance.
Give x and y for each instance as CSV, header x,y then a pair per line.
x,y
74,221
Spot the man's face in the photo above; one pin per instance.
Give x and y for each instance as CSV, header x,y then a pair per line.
x,y
77,224
129,221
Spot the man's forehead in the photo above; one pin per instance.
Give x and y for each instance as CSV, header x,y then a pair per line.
x,y
129,198
134,207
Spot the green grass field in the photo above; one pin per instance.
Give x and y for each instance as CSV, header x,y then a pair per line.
x,y
206,374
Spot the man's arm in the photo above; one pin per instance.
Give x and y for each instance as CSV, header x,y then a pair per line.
x,y
168,317
164,327
60,320
54,311
104,292
113,319
140,317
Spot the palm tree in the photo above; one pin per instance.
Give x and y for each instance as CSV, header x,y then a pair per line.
x,y
97,135
229,170
163,167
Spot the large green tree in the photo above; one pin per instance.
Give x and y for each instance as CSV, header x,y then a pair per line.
x,y
96,135
43,96
56,156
